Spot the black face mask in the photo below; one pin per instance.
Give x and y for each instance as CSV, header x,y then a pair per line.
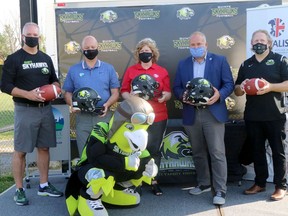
x,y
31,41
145,57
90,54
259,48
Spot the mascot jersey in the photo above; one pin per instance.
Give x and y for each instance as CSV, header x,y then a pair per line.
x,y
101,153
114,162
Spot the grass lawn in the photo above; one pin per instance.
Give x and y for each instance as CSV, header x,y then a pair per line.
x,y
5,182
7,119
6,110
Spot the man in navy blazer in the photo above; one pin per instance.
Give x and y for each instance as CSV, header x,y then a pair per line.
x,y
205,124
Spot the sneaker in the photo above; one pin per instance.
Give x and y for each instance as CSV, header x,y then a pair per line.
x,y
49,190
91,207
20,197
219,198
200,189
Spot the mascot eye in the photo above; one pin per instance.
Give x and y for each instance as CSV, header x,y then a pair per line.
x,y
130,127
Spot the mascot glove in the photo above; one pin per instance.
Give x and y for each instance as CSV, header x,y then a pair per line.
x,y
151,169
132,162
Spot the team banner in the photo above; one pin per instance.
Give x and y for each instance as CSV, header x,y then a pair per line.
x,y
119,28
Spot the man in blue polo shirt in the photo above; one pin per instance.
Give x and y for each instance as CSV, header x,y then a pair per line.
x,y
97,75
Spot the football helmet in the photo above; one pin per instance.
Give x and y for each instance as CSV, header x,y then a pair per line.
x,y
145,86
86,100
198,91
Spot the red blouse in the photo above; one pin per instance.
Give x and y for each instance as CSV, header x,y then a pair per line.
x,y
161,75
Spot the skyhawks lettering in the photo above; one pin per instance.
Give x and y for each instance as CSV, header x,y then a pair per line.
x,y
34,65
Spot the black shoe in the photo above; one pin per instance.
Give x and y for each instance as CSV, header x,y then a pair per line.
x,y
156,189
49,190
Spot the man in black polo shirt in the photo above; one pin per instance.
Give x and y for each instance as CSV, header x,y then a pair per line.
x,y
23,73
265,113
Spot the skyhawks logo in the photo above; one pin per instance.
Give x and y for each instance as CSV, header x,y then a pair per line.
x,y
110,46
147,14
181,43
224,11
30,65
71,17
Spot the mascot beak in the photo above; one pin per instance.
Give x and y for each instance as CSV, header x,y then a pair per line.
x,y
137,139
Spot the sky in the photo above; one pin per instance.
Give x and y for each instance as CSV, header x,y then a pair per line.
x,y
9,13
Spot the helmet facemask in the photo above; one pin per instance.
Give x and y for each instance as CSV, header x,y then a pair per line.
x,y
86,100
145,86
199,91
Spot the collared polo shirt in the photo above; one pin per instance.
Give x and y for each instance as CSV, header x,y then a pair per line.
x,y
102,77
269,106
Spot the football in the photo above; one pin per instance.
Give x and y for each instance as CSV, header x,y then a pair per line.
x,y
51,92
253,85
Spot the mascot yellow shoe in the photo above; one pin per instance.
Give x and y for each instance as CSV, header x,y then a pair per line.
x,y
122,196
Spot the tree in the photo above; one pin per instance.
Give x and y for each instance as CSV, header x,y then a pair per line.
x,y
10,41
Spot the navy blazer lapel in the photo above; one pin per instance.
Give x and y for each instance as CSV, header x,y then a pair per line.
x,y
208,65
190,68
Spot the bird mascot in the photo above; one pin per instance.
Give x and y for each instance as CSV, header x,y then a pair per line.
x,y
114,162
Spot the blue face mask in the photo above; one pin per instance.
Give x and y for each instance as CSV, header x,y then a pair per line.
x,y
197,52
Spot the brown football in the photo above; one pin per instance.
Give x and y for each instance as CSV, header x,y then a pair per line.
x,y
253,85
51,92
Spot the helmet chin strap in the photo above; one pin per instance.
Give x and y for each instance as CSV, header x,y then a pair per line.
x,y
123,112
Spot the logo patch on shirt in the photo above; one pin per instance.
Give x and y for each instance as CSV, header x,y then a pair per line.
x,y
45,71
81,74
270,62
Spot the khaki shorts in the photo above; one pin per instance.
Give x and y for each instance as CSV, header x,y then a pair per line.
x,y
33,127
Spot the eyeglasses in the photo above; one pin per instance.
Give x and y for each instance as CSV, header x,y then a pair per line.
x,y
141,118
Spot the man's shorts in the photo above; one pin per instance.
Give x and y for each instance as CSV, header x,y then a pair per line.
x,y
33,127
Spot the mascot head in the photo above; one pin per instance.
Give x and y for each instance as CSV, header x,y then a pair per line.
x,y
129,124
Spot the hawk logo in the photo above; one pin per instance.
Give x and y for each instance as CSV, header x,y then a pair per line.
x,y
176,145
270,62
204,82
277,27
143,77
178,104
45,71
108,16
225,42
72,47
185,13
84,94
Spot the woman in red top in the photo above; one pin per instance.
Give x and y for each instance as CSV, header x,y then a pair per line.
x,y
147,55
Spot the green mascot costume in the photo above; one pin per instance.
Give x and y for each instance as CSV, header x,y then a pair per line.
x,y
114,162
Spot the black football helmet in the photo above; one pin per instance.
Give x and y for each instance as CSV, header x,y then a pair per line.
x,y
199,91
86,100
145,86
